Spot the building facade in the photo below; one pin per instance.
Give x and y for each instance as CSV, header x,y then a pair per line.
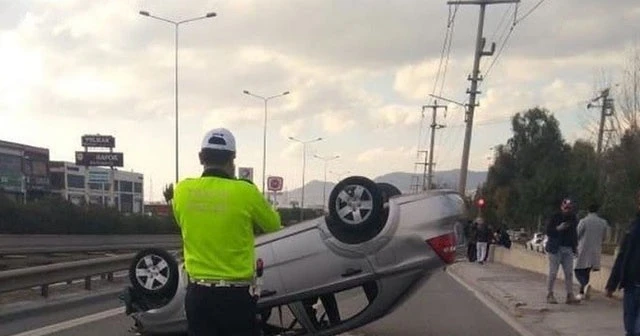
x,y
96,185
24,171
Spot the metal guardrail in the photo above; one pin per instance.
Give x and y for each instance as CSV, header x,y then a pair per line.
x,y
85,248
43,276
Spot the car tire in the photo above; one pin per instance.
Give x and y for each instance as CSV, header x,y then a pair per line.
x,y
356,212
154,272
388,190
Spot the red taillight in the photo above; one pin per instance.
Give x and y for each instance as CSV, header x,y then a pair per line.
x,y
445,247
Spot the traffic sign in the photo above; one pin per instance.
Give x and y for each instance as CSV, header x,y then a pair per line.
x,y
245,173
275,183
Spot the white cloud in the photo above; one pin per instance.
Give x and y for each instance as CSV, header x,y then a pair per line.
x,y
336,122
358,73
292,128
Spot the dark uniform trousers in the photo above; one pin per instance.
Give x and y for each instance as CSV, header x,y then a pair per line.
x,y
220,311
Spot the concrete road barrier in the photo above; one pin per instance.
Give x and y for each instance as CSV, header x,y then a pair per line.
x,y
518,256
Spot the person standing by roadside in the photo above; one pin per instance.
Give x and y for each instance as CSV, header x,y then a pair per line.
x,y
626,275
591,232
562,245
470,233
483,235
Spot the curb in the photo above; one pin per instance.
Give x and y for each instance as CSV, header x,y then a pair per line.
x,y
13,311
514,306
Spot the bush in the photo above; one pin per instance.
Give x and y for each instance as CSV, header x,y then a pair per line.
x,y
55,215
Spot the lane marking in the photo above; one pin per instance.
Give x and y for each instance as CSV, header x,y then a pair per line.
x,y
506,317
50,329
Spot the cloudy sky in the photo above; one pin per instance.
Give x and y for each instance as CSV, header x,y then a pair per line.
x,y
358,71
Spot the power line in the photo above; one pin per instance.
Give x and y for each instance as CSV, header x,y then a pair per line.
x,y
495,59
502,21
446,49
504,43
445,43
446,63
529,12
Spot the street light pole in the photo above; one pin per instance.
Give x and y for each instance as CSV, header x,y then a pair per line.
x,y
324,186
176,24
304,163
264,133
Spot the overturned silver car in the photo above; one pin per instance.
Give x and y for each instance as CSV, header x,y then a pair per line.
x,y
327,275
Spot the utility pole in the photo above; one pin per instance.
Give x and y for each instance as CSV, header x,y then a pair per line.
x,y
606,110
434,126
474,78
424,171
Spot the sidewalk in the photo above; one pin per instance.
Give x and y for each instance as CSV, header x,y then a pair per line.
x,y
523,294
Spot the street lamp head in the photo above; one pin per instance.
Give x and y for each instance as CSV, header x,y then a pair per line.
x,y
318,139
291,138
211,14
246,92
145,13
285,93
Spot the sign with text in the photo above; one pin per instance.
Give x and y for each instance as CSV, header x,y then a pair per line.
x,y
104,141
100,159
98,177
274,183
245,173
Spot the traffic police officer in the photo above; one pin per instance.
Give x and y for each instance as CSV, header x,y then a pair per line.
x,y
216,214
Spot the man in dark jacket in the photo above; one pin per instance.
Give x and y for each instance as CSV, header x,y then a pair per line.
x,y
483,235
562,245
626,275
470,233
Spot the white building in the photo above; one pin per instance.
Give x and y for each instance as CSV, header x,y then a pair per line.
x,y
97,185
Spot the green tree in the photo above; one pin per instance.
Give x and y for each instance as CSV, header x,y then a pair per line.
x,y
582,174
528,176
622,178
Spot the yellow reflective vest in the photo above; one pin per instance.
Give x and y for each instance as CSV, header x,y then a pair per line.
x,y
216,215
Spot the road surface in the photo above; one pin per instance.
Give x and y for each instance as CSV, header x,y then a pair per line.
x,y
441,307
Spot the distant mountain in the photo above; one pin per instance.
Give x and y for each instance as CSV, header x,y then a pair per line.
x,y
402,180
446,179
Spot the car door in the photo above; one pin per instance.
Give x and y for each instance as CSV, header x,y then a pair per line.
x,y
272,282
306,264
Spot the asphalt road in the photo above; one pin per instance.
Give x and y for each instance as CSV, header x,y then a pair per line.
x,y
441,307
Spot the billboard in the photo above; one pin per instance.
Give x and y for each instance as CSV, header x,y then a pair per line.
x,y
104,141
245,173
100,159
98,177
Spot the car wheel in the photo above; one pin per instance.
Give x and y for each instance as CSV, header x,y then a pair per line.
x,y
356,211
388,190
154,272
